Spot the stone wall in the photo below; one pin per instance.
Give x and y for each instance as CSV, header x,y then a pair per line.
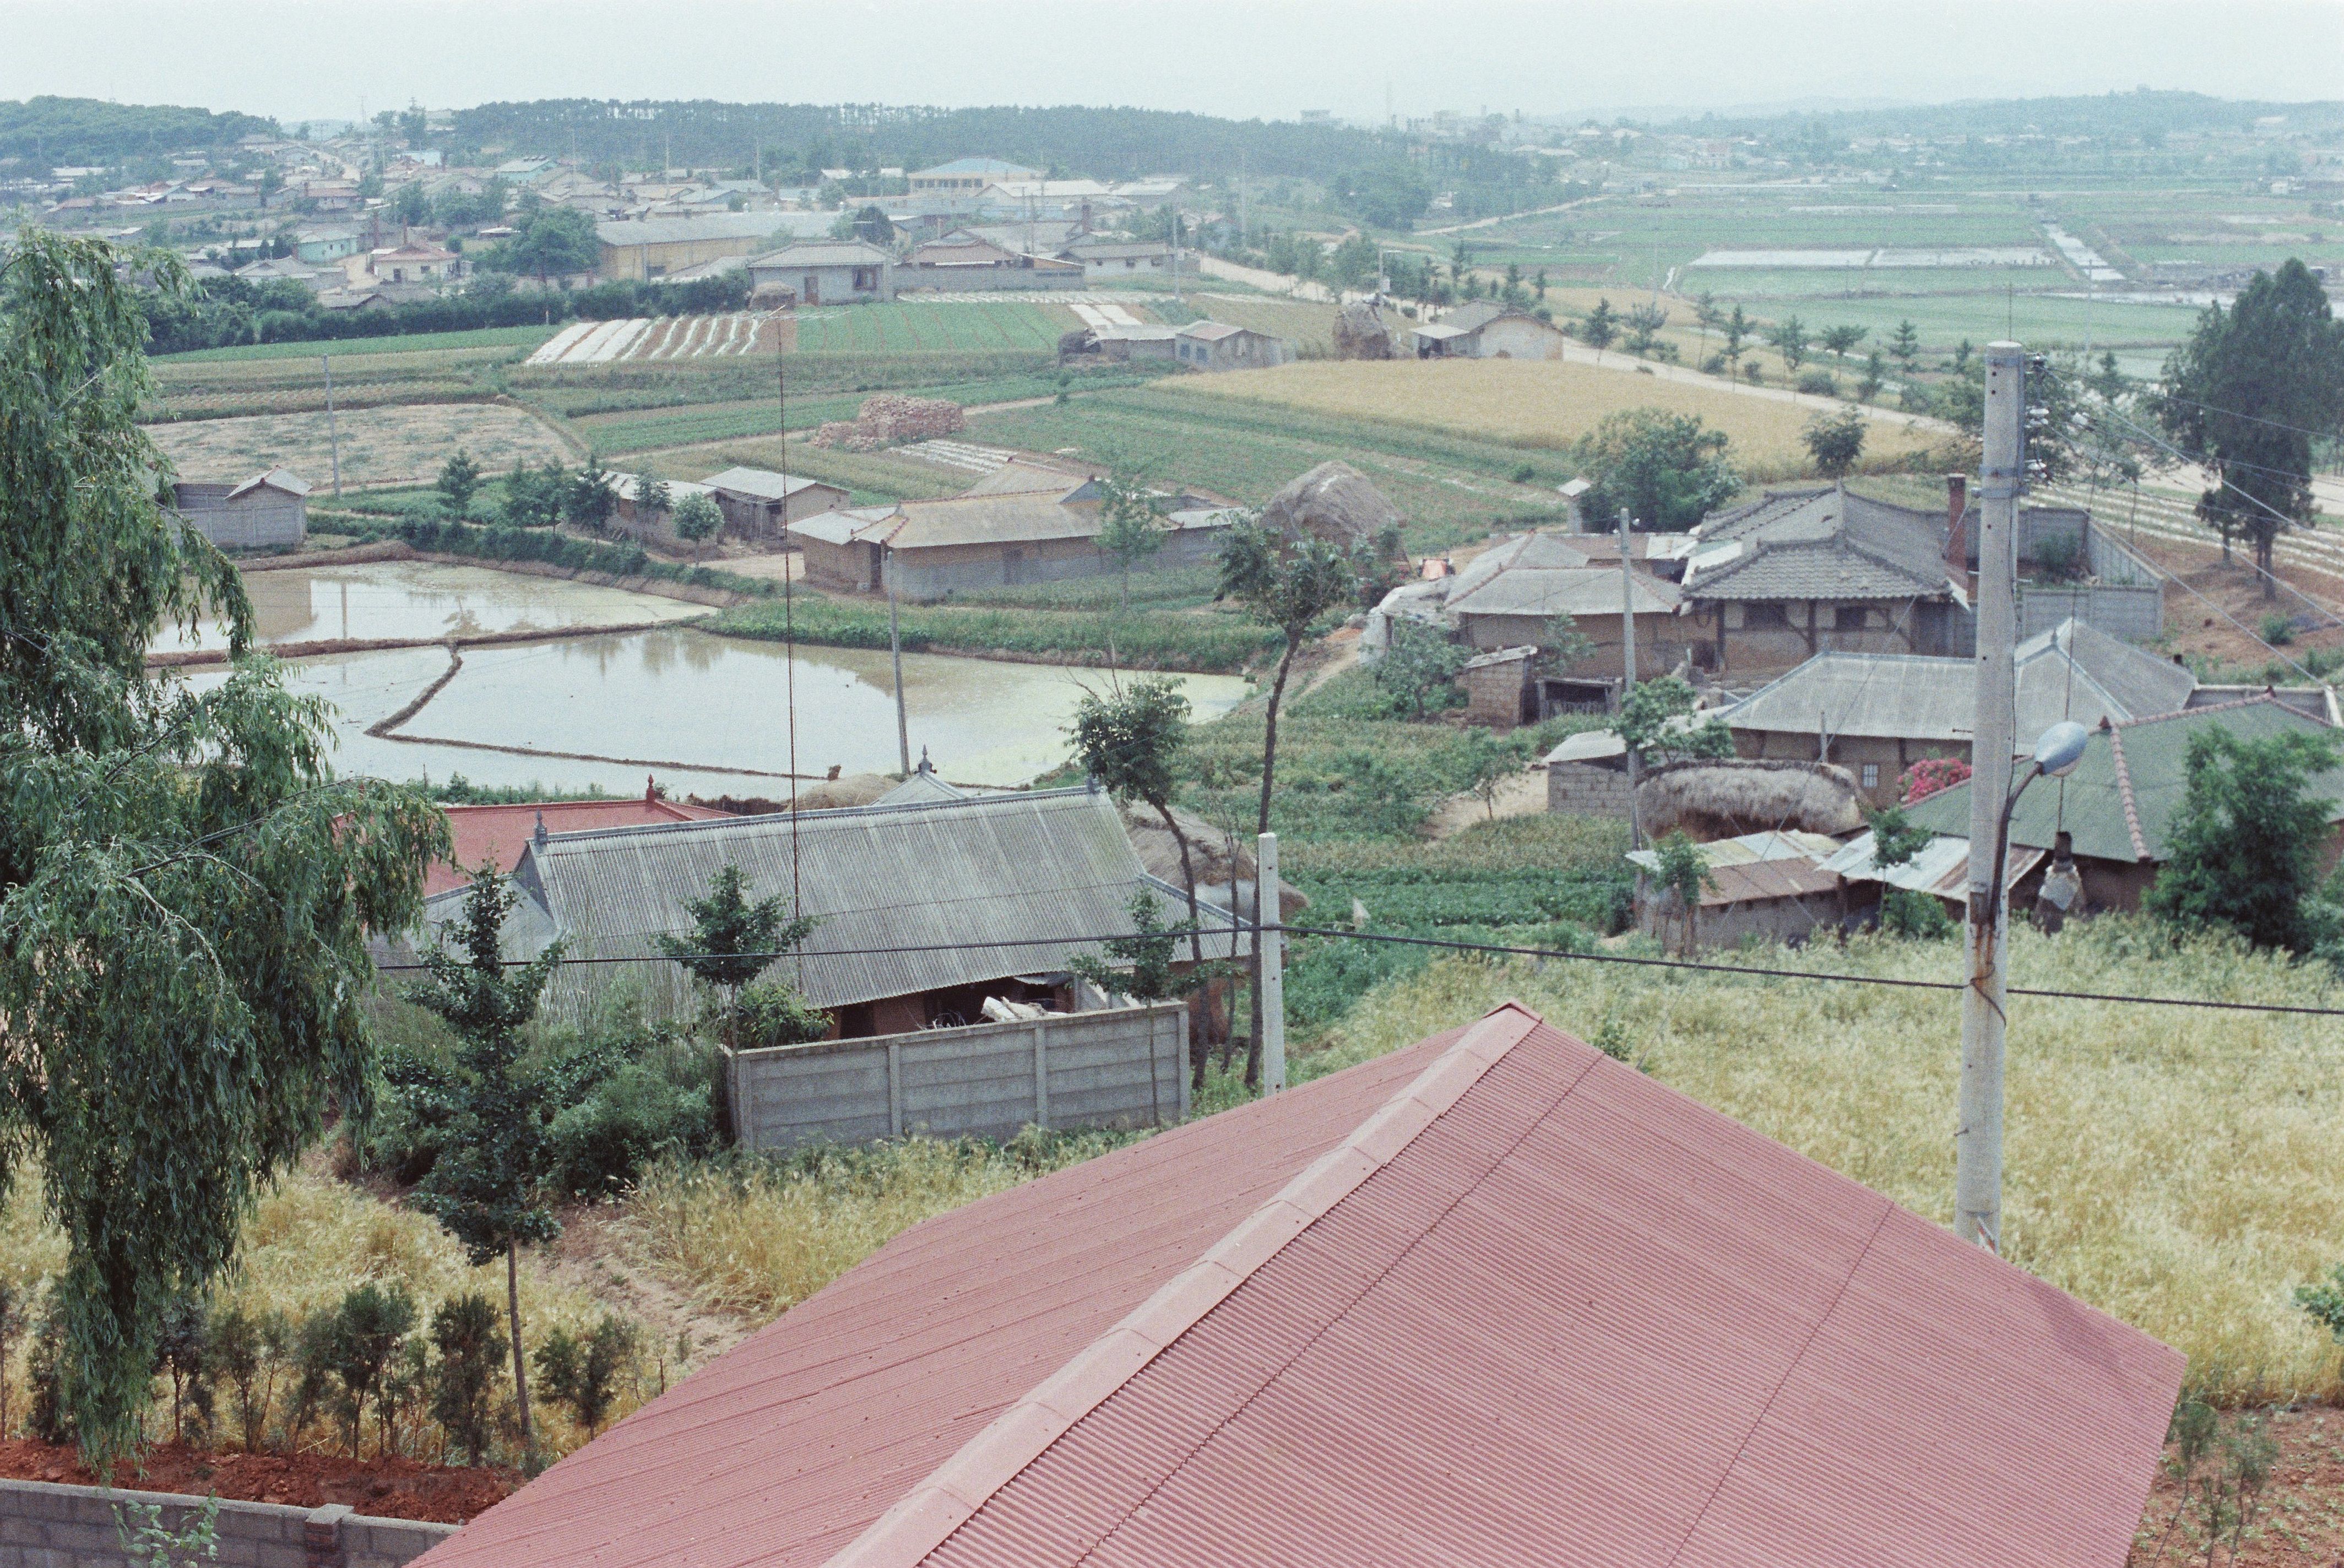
x,y
1584,789
46,1526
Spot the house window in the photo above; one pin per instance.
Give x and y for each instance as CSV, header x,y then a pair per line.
x,y
1849,618
1872,775
1762,617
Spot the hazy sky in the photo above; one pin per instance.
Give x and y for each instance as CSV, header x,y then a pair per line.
x,y
318,58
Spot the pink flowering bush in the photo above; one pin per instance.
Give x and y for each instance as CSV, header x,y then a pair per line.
x,y
1924,779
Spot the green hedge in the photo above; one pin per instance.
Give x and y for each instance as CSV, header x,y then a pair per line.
x,y
1211,643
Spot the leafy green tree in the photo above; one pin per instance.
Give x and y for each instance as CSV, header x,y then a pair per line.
x,y
464,1376
459,481
1841,341
699,519
1131,524
1287,581
583,1374
1130,742
2244,848
246,1350
1562,645
1834,442
733,938
1789,338
186,891
1487,761
1683,870
486,1188
410,206
1905,345
1420,664
654,499
1669,470
769,1013
1145,966
1647,722
1733,336
1601,326
551,242
1904,911
590,497
2248,395
369,1327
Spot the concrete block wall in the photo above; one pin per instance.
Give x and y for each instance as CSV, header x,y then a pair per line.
x,y
1123,1067
1583,789
49,1526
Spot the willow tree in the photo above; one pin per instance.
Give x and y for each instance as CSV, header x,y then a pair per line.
x,y
186,891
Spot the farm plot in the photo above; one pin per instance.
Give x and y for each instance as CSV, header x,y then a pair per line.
x,y
935,326
1526,403
504,341
728,335
380,446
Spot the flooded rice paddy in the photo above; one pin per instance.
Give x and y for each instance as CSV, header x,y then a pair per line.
x,y
598,708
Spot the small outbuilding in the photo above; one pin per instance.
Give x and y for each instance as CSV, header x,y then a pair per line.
x,y
270,511
1500,688
826,272
1484,329
1217,346
760,504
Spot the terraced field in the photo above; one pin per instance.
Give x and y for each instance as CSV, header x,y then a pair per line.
x,y
931,327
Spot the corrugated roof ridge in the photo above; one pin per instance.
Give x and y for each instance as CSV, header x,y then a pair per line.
x,y
2123,791
2258,698
827,814
925,1517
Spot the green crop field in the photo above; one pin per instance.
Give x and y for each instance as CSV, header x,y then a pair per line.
x,y
519,339
924,328
690,426
1451,488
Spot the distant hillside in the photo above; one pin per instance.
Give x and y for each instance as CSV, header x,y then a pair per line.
x,y
2135,114
45,132
1102,142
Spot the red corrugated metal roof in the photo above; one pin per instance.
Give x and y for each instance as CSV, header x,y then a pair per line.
x,y
497,833
1527,1306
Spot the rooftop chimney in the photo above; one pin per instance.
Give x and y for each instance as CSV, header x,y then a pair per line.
x,y
1957,502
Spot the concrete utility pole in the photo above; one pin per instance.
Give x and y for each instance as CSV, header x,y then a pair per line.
x,y
1272,948
1628,670
1977,1137
895,651
333,430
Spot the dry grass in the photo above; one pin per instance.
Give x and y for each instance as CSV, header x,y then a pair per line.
x,y
1541,404
757,1237
380,446
2182,1170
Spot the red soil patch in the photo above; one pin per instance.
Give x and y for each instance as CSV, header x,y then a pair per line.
x,y
2300,1524
385,1489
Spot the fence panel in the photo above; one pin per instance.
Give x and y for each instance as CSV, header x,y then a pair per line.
x,y
1125,1066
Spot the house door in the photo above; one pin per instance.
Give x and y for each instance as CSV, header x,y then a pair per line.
x,y
811,293
1012,567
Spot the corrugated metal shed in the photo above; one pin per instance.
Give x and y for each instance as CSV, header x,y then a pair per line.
x,y
1749,848
1942,867
1015,872
763,484
1494,1300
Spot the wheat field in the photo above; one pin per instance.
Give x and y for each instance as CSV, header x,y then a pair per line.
x,y
1549,404
2181,1170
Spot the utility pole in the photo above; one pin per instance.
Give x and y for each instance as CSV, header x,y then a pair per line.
x,y
1265,895
896,648
1627,670
333,430
1977,1135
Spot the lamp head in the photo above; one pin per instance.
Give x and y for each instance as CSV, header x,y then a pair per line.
x,y
2061,748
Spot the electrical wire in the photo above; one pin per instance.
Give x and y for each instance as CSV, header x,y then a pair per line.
x,y
1237,926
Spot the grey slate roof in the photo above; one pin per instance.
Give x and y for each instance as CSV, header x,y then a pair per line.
x,y
1583,590
1818,543
2071,671
678,230
1011,874
1529,550
824,253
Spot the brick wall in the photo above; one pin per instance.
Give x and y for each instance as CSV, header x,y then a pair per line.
x,y
46,1526
1585,790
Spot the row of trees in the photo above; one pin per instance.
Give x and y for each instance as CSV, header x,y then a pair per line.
x,y
551,493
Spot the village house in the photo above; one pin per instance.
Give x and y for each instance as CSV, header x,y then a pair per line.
x,y
965,177
1024,524
1485,329
1217,346
2119,805
965,261
642,250
1771,886
410,261
1105,259
826,272
1511,595
320,246
268,511
1120,344
952,885
1776,581
1403,1313
496,834
760,504
1877,714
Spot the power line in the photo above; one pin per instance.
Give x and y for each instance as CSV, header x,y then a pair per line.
x,y
1236,929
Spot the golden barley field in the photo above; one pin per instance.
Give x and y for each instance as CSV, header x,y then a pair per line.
x,y
1552,404
2181,1170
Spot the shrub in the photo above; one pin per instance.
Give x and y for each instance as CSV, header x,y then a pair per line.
x,y
584,1373
1418,668
2278,630
470,1345
1818,383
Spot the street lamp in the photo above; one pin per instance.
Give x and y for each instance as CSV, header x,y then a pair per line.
x,y
2058,751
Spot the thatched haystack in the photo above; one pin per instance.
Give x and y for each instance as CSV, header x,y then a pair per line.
x,y
1361,333
1335,502
1209,851
1712,800
823,794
